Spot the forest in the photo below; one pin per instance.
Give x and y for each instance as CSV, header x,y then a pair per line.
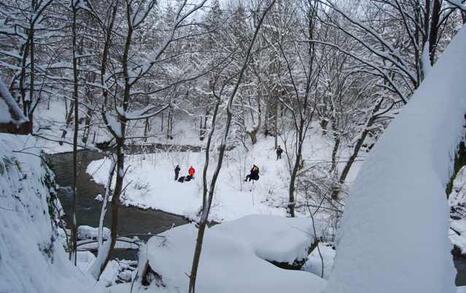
x,y
233,146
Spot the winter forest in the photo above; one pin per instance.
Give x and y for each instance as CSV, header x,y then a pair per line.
x,y
233,146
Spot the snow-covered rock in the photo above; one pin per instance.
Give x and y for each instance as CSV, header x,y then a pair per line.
x,y
32,259
234,256
88,232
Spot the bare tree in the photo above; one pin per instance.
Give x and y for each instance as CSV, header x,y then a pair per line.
x,y
208,192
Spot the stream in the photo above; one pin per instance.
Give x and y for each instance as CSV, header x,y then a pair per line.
x,y
132,221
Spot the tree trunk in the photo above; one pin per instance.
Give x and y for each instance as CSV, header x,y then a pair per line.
x,y
74,228
208,201
294,172
356,149
277,111
336,146
120,169
433,34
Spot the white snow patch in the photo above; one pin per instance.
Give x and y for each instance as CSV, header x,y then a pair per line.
x,y
314,262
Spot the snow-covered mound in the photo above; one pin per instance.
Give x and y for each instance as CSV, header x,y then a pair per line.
x,y
31,257
233,256
394,235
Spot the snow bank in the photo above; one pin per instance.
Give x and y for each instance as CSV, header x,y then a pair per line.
x,y
233,256
395,226
32,259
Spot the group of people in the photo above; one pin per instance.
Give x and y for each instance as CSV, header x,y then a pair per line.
x,y
186,178
253,173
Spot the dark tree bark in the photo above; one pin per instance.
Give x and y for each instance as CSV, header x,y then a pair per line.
x,y
74,226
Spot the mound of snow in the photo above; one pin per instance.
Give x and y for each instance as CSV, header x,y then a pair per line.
x,y
394,235
233,256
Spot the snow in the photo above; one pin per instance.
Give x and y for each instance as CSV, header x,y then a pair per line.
x,y
457,202
116,269
9,106
458,192
88,232
153,185
4,112
232,256
457,234
270,236
395,225
314,261
32,257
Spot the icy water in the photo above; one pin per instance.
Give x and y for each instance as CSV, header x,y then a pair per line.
x,y
132,221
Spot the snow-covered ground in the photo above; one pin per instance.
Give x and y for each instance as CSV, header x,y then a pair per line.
x,y
152,183
32,258
394,235
234,257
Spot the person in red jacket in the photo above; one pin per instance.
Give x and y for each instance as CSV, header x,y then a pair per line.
x,y
191,172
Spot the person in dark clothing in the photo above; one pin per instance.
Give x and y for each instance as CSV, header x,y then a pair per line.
x,y
279,152
186,178
177,172
253,174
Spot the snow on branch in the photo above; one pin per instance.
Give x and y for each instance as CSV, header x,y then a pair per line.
x,y
15,112
457,4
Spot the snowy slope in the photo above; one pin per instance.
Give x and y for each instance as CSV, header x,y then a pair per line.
x,y
233,256
32,259
394,234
